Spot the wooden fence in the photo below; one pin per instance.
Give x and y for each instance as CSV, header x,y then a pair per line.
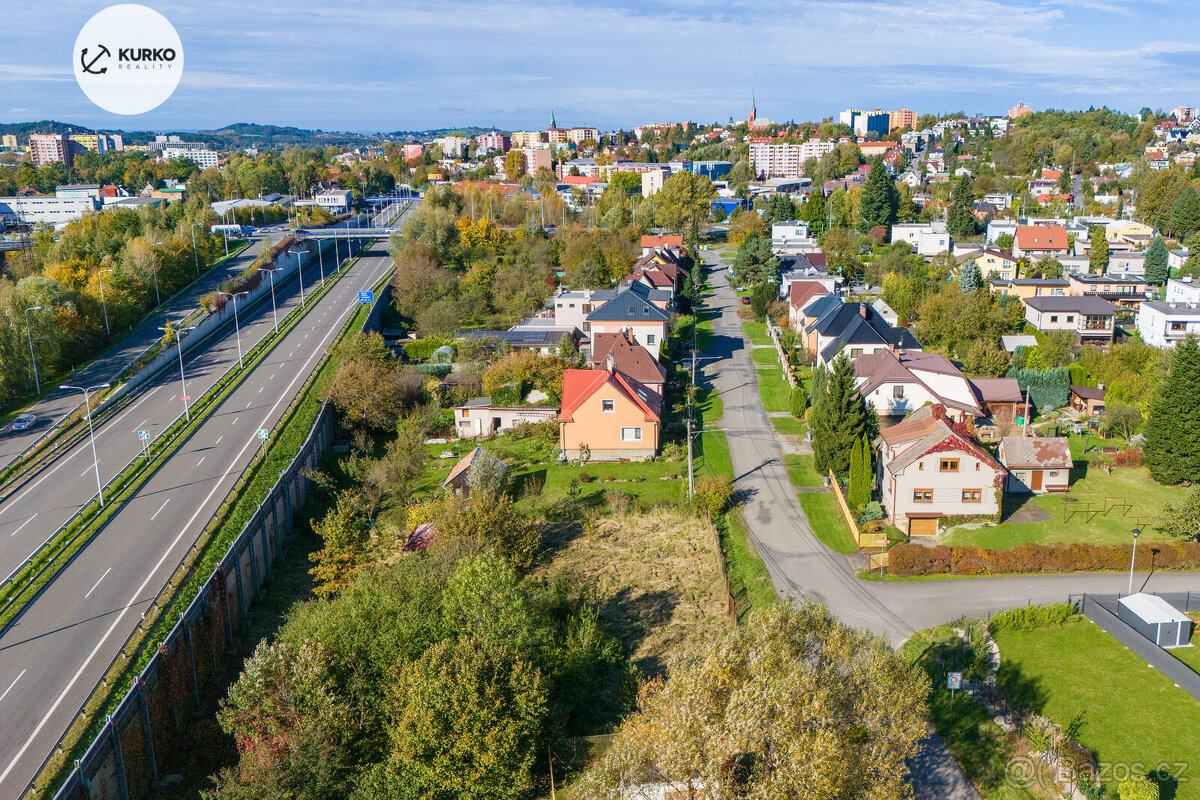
x,y
861,539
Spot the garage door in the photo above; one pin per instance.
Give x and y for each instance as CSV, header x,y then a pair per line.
x,y
922,527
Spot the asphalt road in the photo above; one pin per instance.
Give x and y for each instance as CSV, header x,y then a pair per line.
x,y
53,657
801,566
36,510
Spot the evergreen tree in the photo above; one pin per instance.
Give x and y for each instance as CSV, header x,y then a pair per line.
x,y
860,475
960,220
1185,216
813,212
839,418
1172,447
970,278
1097,250
1156,261
799,401
879,199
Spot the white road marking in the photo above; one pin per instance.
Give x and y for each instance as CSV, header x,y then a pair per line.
x,y
249,404
201,461
235,420
23,524
89,594
14,683
218,441
160,508
139,425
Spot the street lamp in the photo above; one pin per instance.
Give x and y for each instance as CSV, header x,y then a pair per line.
x,y
195,254
37,385
274,313
104,305
321,261
182,380
87,401
234,296
154,264
1136,532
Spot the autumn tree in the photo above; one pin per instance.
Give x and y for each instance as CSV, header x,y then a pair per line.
x,y
791,704
745,224
683,203
1097,250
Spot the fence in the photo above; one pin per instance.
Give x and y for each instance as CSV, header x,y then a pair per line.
x,y
1102,610
861,539
190,668
784,363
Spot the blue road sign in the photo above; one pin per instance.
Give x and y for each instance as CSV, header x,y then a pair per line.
x,y
366,297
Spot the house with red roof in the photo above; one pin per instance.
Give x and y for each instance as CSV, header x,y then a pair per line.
x,y
1036,241
608,416
623,354
929,469
651,242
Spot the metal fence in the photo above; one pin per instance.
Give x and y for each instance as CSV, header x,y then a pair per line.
x,y
1102,610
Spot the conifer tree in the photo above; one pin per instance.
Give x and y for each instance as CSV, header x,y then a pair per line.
x,y
839,418
970,278
1172,449
1156,261
1097,250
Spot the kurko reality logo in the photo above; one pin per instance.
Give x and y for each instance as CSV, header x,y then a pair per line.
x,y
128,59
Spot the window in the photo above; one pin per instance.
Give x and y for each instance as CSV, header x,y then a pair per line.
x,y
977,466
650,338
1053,473
1070,317
971,495
631,434
922,495
948,465
855,352
1179,326
920,465
1054,317
608,406
466,412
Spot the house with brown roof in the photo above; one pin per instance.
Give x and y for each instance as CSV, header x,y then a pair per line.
x,y
800,294
1036,241
1088,399
470,467
1036,464
608,415
620,352
1090,318
896,382
928,471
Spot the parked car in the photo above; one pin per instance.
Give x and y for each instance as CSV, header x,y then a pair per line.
x,y
745,301
24,422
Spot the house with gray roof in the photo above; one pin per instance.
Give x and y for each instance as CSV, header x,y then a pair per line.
x,y
856,329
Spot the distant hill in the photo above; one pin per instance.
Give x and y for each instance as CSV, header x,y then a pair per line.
x,y
239,135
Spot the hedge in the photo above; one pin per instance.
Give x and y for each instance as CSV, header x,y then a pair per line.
x,y
917,560
1047,387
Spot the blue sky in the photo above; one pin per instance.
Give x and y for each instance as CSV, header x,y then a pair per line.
x,y
377,65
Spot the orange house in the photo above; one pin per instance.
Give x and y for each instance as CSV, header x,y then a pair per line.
x,y
609,414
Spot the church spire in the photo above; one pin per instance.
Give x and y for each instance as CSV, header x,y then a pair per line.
x,y
553,124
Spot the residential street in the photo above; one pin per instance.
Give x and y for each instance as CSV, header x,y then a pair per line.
x,y
801,566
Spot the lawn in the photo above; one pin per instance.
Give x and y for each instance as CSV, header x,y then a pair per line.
x,y
827,522
704,329
1127,484
789,426
756,332
1130,713
774,391
764,356
712,455
749,582
655,577
800,470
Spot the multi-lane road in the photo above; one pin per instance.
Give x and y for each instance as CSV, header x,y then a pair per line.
x,y
52,657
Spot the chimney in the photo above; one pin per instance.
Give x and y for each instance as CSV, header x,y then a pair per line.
x,y
608,362
862,310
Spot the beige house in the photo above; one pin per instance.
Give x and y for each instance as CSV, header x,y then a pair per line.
x,y
992,263
927,471
479,418
1038,465
608,414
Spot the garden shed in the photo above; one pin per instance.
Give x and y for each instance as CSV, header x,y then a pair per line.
x,y
443,355
1156,619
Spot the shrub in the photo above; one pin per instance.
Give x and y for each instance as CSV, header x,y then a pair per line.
x,y
422,348
745,312
585,478
1031,617
916,560
871,512
1130,457
672,451
713,495
622,502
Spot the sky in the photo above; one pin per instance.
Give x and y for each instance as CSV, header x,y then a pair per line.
x,y
384,65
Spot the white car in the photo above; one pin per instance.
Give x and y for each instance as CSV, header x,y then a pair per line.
x,y
24,422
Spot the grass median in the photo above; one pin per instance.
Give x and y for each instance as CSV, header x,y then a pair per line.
x,y
248,492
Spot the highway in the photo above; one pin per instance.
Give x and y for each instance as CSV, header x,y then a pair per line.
x,y
52,658
37,509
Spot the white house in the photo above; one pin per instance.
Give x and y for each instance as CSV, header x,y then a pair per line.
x,y
479,418
998,227
335,201
928,239
784,234
1163,324
1183,290
1089,317
897,382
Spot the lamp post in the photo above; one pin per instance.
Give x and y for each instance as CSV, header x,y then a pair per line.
x,y
195,254
237,330
37,385
274,313
187,413
157,297
321,261
1133,558
87,401
103,304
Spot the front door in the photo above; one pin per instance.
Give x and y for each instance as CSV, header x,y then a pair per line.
x,y
1035,480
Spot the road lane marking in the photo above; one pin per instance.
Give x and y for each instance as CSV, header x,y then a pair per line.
x,y
160,508
249,404
140,425
235,419
133,599
218,441
89,594
14,683
23,524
